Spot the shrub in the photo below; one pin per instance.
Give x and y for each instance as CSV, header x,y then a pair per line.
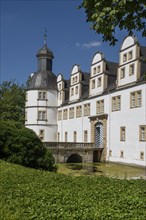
x,y
21,145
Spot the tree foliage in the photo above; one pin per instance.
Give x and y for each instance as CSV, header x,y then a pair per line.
x,y
22,146
12,102
106,15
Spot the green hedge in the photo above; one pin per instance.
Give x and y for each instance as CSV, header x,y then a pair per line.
x,y
33,194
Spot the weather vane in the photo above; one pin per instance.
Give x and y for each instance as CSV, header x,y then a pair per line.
x,y
45,36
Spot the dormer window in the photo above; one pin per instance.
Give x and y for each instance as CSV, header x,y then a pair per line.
x,y
130,55
94,70
131,70
125,57
72,91
59,95
98,69
99,82
60,86
76,90
122,75
93,84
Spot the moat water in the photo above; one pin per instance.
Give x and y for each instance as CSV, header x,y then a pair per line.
x,y
106,169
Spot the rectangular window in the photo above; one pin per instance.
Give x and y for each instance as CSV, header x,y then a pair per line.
x,y
125,57
131,70
59,95
65,114
75,136
76,91
110,153
99,82
41,134
26,96
121,154
135,99
116,103
142,155
85,136
87,109
65,136
58,136
93,84
98,69
122,75
71,112
41,115
130,55
59,115
122,134
78,111
100,107
94,70
59,86
25,115
142,132
72,91
42,95
138,98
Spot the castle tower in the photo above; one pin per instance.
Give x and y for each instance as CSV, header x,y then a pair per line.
x,y
41,97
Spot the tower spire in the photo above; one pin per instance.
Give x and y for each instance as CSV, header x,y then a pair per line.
x,y
45,37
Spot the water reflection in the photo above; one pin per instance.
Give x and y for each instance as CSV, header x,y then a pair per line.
x,y
107,169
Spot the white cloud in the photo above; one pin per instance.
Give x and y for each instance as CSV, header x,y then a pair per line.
x,y
89,45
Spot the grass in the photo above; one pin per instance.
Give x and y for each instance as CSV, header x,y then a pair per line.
x,y
33,194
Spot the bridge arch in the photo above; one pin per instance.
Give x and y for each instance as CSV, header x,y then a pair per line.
x,y
74,158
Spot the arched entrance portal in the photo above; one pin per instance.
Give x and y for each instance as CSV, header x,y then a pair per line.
x,y
74,158
99,135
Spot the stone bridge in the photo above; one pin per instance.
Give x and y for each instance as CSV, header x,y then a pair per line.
x,y
69,152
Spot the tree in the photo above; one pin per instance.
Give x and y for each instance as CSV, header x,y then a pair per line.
x,y
22,146
106,15
12,101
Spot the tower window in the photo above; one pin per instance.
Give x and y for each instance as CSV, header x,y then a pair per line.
x,y
41,115
41,134
42,95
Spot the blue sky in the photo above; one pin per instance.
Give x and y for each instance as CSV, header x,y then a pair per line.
x,y
68,36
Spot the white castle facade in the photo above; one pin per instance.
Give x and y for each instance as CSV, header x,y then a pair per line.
x,y
106,107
